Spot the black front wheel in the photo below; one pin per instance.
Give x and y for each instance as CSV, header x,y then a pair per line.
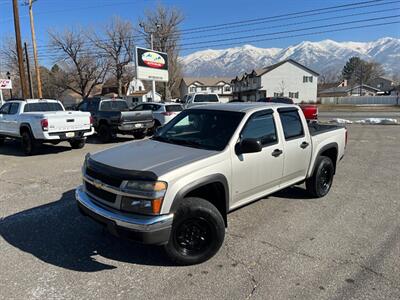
x,y
77,143
197,233
139,135
105,133
28,143
319,184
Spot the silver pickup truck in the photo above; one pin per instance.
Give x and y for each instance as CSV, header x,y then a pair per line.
x,y
177,188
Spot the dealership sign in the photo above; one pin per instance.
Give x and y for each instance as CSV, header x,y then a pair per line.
x,y
151,65
5,84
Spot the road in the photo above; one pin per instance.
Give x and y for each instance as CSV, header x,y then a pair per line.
x,y
358,115
344,246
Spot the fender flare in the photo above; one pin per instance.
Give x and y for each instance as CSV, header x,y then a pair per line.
x,y
323,149
213,178
28,126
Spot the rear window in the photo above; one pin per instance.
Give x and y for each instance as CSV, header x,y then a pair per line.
x,y
113,105
173,108
44,106
206,98
282,100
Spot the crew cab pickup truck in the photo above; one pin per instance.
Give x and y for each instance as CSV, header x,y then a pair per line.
x,y
112,116
177,188
43,121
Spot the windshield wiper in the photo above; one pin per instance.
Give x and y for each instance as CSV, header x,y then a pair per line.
x,y
186,143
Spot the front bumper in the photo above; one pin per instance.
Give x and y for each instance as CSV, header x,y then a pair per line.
x,y
145,229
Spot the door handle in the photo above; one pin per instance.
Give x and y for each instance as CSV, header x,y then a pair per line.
x,y
276,152
304,145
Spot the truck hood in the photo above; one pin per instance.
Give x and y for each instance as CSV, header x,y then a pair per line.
x,y
149,155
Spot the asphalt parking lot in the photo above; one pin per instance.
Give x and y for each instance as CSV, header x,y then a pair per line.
x,y
344,246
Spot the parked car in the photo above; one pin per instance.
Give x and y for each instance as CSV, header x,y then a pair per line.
x,y
310,110
177,188
43,121
112,116
199,99
163,112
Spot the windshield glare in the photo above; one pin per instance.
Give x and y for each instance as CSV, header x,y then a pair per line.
x,y
204,129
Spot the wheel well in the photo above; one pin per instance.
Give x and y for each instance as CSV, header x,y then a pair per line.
x,y
215,194
332,154
103,122
24,128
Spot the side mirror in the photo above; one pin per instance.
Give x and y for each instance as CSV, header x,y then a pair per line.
x,y
248,146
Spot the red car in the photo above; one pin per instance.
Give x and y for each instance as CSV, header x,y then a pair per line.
x,y
310,110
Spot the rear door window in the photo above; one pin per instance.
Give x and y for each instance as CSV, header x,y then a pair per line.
x,y
291,123
261,126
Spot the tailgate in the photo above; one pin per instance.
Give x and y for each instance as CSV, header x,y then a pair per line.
x,y
136,116
68,121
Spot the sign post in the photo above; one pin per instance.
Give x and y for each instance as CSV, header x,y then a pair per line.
x,y
5,84
151,65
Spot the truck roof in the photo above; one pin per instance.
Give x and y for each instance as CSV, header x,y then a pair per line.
x,y
35,101
242,107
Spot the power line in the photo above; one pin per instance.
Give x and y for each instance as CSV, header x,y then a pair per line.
x,y
243,38
288,31
52,48
292,36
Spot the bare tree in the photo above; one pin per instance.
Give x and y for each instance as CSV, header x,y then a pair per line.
x,y
164,22
83,68
117,45
282,88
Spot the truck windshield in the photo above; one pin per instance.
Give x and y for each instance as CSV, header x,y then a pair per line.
x,y
44,106
201,128
114,105
206,98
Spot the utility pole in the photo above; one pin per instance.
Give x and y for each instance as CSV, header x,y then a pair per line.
x,y
29,72
153,83
35,57
19,50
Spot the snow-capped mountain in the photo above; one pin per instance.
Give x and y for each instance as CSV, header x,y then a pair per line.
x,y
326,56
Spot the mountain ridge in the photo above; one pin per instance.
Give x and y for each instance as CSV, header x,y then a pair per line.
x,y
325,57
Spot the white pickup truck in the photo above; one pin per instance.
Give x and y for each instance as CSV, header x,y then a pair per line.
x,y
177,188
43,121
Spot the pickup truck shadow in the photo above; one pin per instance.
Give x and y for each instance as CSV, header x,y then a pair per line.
x,y
58,234
13,148
294,192
94,139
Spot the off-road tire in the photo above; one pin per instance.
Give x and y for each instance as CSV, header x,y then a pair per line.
x,y
105,134
319,184
197,224
28,143
77,143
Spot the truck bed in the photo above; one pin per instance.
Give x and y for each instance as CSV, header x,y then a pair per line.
x,y
317,128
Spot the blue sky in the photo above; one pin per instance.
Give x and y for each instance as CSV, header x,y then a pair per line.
x,y
57,15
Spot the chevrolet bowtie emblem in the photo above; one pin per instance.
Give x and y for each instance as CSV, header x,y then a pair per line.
x,y
98,184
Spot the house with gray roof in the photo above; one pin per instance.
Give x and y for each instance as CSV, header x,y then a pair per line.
x,y
220,86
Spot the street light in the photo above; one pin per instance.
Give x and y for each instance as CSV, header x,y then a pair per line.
x,y
9,77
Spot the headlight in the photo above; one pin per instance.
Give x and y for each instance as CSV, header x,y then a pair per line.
x,y
147,196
